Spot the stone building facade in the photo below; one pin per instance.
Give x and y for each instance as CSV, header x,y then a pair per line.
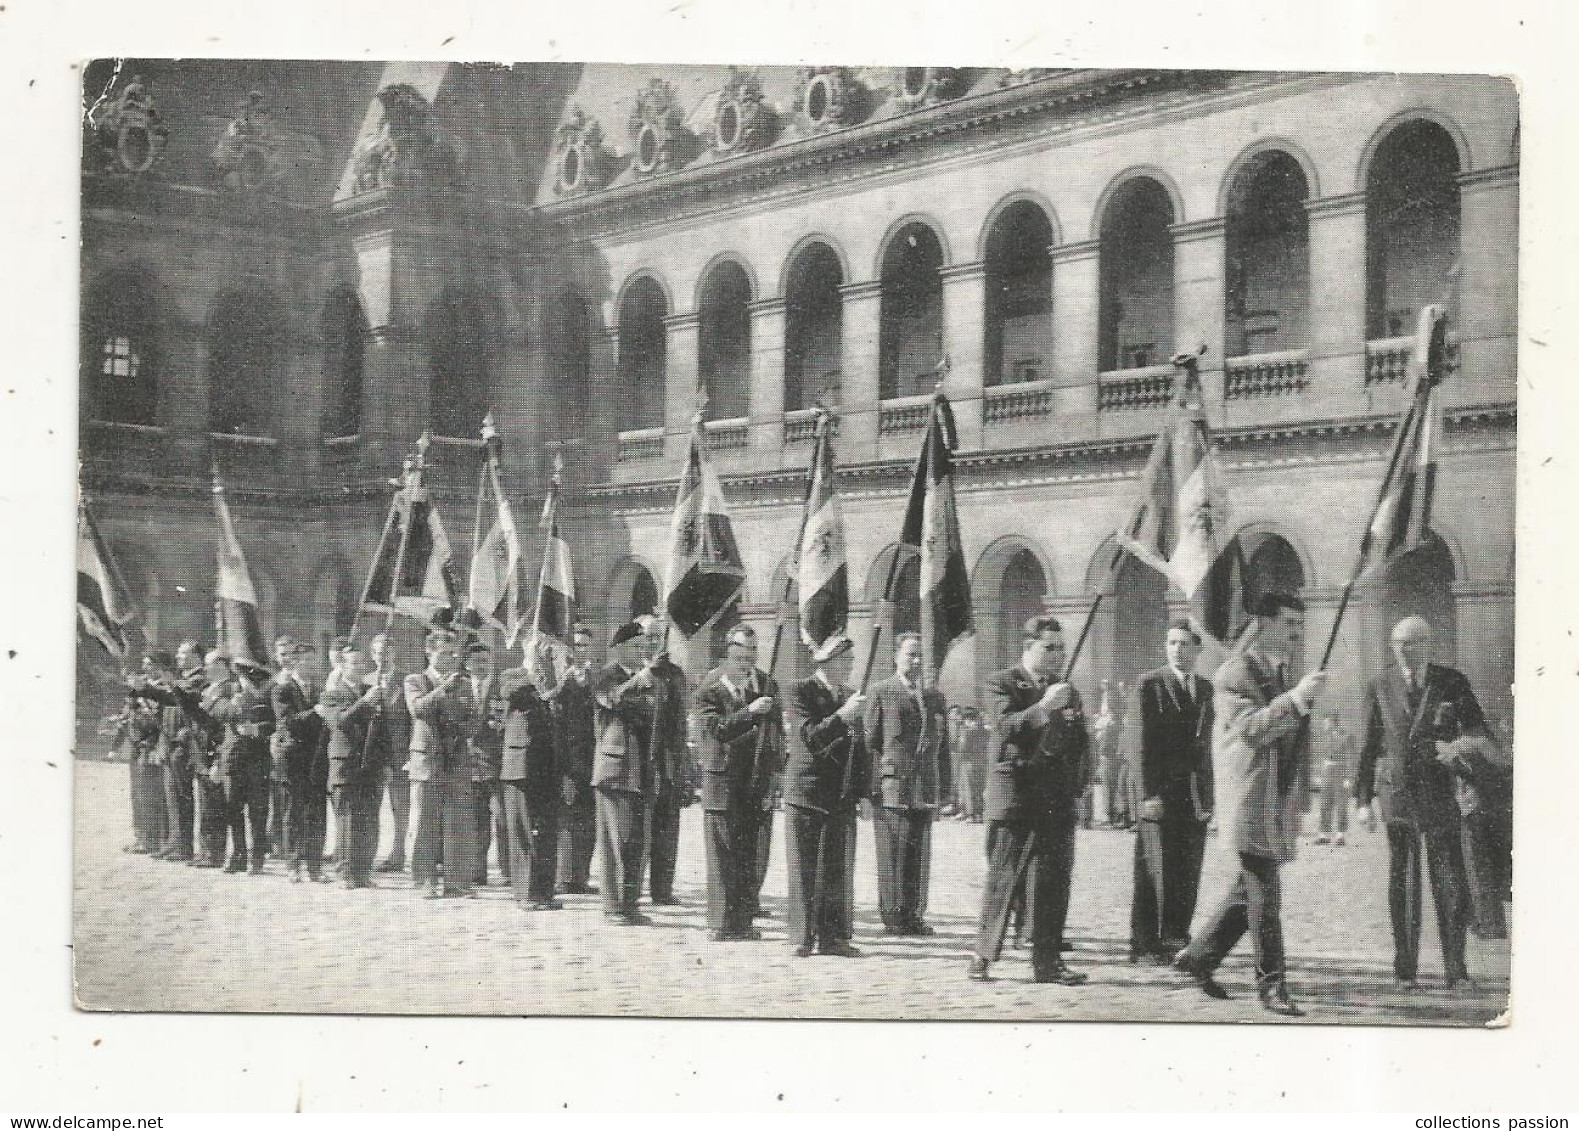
x,y
308,280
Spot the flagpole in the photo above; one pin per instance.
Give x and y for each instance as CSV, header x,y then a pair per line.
x,y
372,569
791,574
550,517
482,487
413,477
495,469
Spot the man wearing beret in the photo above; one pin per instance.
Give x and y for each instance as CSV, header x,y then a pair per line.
x,y
741,724
823,780
623,774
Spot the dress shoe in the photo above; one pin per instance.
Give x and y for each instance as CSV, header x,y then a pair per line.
x,y
204,862
433,892
255,868
390,864
320,877
978,971
1151,958
1275,999
750,934
1463,983
803,951
236,867
719,936
1339,840
1406,984
1061,975
839,949
922,930
666,901
1202,978
546,905
634,919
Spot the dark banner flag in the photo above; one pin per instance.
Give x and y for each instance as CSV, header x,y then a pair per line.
x,y
1403,514
104,601
555,619
822,572
705,570
235,600
494,589
415,544
931,529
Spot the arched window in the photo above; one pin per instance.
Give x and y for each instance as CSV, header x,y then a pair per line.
x,y
1272,565
724,340
1420,583
1019,263
245,360
910,338
1136,306
1268,285
643,593
345,346
458,335
120,345
569,361
1412,226
644,355
1023,595
813,327
907,602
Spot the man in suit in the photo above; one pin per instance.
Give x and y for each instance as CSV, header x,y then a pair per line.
x,y
243,765
968,747
1260,746
299,760
573,707
906,728
1335,781
1169,747
354,711
487,795
183,792
741,724
669,753
397,729
1418,717
158,725
443,726
822,783
214,823
530,781
1032,798
624,775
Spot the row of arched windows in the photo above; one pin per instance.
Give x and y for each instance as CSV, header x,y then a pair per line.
x,y
1412,211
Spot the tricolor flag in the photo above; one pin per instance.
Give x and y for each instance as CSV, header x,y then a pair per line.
x,y
705,572
932,529
493,589
1180,523
104,601
556,586
414,538
822,573
1403,513
235,600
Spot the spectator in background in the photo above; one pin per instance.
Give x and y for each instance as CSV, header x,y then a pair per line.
x,y
970,743
1339,757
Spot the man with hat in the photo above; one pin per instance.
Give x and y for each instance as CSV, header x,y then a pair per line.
x,y
529,783
823,781
243,708
741,725
300,760
444,718
906,727
353,712
573,707
624,776
669,756
1032,795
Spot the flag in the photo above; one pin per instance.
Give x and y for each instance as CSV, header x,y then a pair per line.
x,y
493,589
235,600
822,573
104,601
932,529
1402,518
556,585
1179,525
414,535
705,571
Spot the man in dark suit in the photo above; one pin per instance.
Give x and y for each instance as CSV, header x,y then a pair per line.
x,y
299,759
160,706
1032,796
530,779
741,725
354,710
214,810
443,726
906,728
487,795
1260,747
1416,716
574,738
242,706
624,776
1168,740
397,725
669,753
822,783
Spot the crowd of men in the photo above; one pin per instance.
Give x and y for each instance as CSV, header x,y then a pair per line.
x,y
555,761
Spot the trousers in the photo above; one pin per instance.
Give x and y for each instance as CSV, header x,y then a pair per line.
x,y
247,806
904,850
530,839
356,827
1444,859
399,790
578,837
1253,904
731,836
622,845
446,830
664,845
488,807
816,856
1180,846
1028,863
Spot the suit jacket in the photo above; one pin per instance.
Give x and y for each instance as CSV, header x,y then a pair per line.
x,y
740,752
443,727
574,709
528,753
1168,741
352,715
394,734
1398,763
298,729
621,760
1259,752
488,742
248,719
908,745
830,772
1042,760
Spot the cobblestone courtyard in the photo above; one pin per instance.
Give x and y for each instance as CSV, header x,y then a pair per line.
x,y
151,935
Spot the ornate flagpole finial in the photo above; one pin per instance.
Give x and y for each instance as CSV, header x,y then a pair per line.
x,y
489,432
213,468
942,372
424,442
559,467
